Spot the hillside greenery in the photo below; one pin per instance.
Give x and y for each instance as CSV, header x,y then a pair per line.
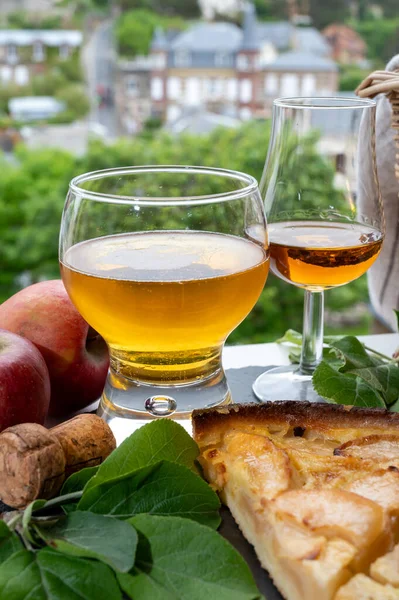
x,y
134,30
33,190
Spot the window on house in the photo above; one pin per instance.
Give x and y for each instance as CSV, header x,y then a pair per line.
x,y
214,88
6,74
157,88
271,84
246,90
182,58
308,84
289,84
132,85
174,88
21,75
38,52
12,54
232,89
222,59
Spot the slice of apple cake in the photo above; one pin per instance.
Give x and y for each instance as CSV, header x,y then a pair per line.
x,y
314,488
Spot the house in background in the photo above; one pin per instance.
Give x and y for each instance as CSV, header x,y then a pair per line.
x,y
42,7
34,108
346,44
23,52
225,69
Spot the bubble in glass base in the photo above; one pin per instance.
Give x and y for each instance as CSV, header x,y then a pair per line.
x,y
127,405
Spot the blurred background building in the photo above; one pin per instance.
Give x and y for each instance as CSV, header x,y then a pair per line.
x,y
224,68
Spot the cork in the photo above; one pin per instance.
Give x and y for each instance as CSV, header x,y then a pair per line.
x,y
35,461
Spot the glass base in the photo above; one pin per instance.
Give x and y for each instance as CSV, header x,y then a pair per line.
x,y
126,405
285,383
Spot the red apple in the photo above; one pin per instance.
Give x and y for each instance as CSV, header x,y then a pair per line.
x,y
24,382
76,356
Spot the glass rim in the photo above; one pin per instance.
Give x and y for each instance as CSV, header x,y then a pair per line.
x,y
326,102
250,187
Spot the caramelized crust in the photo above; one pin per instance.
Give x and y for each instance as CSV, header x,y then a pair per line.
x,y
296,414
314,488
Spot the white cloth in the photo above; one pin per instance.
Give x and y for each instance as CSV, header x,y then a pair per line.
x,y
383,277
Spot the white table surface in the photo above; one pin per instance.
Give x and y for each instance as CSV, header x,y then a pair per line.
x,y
277,354
235,357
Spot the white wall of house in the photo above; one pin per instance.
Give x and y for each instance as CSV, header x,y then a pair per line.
x,y
245,90
158,60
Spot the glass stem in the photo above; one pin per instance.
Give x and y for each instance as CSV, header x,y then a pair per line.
x,y
312,335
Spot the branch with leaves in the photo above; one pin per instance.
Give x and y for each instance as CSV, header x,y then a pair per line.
x,y
351,373
141,525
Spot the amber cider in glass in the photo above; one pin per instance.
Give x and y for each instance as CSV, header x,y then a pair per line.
x,y
166,300
320,255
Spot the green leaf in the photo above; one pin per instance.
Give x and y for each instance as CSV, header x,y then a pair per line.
x,y
27,515
50,575
159,440
394,407
178,559
291,337
94,536
162,489
20,578
383,378
9,542
294,355
77,481
397,315
353,353
72,578
344,388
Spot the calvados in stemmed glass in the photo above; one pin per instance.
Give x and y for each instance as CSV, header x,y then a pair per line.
x,y
324,212
163,262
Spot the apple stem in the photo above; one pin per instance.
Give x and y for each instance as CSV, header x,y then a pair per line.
x,y
65,499
13,521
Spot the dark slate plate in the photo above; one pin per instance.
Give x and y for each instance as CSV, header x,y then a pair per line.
x,y
230,531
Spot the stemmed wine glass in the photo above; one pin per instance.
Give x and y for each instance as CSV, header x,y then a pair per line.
x,y
325,216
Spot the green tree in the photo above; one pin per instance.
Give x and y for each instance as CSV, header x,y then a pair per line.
x,y
183,8
350,76
32,194
325,12
390,8
75,98
134,30
381,37
271,9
